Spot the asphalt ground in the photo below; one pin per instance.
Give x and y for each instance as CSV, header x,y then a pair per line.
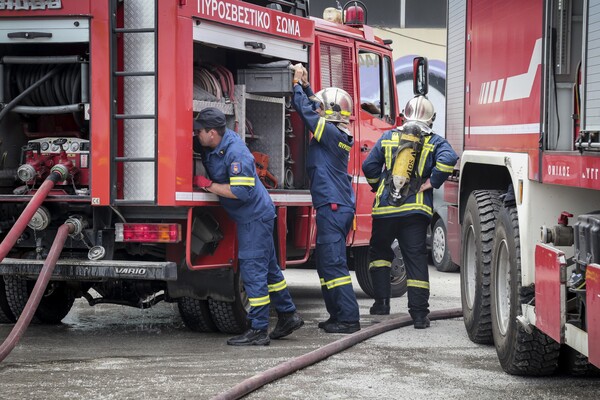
x,y
116,352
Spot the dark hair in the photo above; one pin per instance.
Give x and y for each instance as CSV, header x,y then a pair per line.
x,y
220,130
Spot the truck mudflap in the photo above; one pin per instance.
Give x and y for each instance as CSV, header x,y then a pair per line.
x,y
86,270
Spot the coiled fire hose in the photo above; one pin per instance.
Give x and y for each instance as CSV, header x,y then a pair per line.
x,y
257,381
38,290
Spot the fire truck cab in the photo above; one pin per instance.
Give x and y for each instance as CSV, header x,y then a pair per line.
x,y
105,93
522,112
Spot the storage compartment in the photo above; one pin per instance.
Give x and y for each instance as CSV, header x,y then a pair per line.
x,y
587,239
275,82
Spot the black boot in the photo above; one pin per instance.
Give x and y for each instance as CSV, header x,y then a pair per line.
x,y
323,324
342,327
380,307
252,337
421,322
286,324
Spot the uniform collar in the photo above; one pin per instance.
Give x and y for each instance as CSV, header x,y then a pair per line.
x,y
225,142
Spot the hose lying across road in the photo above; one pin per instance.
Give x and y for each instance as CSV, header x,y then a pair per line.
x,y
257,381
38,290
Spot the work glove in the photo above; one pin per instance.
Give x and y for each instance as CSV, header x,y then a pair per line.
x,y
202,182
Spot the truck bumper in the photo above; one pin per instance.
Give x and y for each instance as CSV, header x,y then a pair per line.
x,y
85,270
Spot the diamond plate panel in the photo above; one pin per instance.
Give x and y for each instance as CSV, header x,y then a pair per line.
x,y
139,140
138,181
139,96
139,51
139,14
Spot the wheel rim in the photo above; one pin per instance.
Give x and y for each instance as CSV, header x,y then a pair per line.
x,y
438,245
470,266
502,287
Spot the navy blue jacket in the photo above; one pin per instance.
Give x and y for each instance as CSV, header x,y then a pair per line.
x,y
328,155
436,164
231,162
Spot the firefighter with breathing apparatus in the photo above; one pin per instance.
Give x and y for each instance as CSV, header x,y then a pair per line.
x,y
403,168
327,115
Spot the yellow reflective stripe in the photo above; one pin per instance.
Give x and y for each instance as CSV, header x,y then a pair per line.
x,y
417,284
345,113
344,146
405,207
373,180
259,301
276,287
319,129
444,167
427,148
379,263
378,194
344,280
242,181
323,283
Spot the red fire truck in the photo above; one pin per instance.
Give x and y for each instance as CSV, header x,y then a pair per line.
x,y
99,96
523,111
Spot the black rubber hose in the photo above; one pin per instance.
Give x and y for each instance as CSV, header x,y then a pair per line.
x,y
28,91
257,381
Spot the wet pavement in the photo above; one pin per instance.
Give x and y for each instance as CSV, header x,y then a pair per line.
x,y
116,352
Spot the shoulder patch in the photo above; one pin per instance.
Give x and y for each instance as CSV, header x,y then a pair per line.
x,y
236,168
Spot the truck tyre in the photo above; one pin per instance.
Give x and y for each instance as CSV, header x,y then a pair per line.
x,y
54,305
196,314
361,268
6,315
231,317
574,363
519,352
476,253
440,254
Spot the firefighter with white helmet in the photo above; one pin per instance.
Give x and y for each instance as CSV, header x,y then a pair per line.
x,y
327,115
403,168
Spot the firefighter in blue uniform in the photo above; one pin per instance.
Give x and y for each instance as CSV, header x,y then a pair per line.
x,y
233,178
405,214
332,195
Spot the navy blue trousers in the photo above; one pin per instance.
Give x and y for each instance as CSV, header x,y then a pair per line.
x,y
336,284
411,232
263,280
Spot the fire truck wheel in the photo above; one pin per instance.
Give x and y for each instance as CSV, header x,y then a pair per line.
x,y
360,263
6,315
519,352
54,306
476,252
574,363
440,253
230,317
196,315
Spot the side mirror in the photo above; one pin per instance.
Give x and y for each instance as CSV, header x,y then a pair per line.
x,y
420,76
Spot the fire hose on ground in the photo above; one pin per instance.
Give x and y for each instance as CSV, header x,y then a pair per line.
x,y
257,381
38,290
40,286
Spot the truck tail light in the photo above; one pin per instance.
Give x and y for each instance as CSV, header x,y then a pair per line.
x,y
148,233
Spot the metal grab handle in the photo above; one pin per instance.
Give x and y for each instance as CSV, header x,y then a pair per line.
x,y
28,35
255,45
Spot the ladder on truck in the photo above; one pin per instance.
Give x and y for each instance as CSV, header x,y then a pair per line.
x,y
133,83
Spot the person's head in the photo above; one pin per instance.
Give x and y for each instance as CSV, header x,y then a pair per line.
x,y
209,126
336,104
419,108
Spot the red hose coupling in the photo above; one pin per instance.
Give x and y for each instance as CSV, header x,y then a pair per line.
x,y
62,171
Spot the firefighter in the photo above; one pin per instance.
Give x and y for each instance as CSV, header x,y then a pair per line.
x,y
402,169
332,195
233,178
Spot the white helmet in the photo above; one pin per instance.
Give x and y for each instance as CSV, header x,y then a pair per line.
x,y
336,104
419,108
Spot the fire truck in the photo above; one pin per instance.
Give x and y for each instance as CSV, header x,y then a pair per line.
x,y
523,111
97,102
